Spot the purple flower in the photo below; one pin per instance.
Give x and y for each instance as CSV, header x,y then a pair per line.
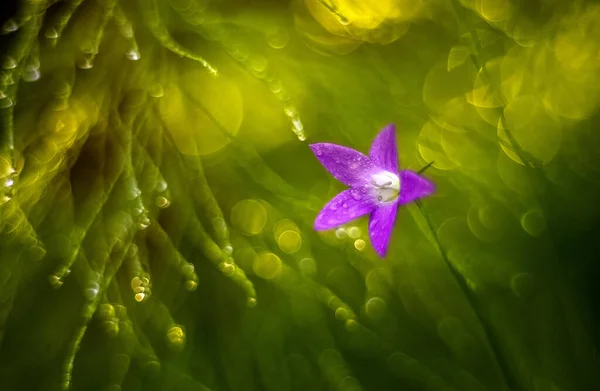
x,y
376,186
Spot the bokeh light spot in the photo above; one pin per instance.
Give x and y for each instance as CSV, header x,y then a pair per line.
x,y
267,265
533,129
376,307
522,284
201,112
533,222
249,217
289,241
359,244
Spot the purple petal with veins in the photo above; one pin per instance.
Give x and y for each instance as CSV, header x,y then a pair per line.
x,y
376,186
381,225
346,206
347,165
413,186
383,151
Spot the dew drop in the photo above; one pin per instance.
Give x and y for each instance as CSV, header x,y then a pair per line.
x,y
10,26
9,63
139,297
51,33
190,285
258,64
227,268
133,55
278,38
290,111
341,313
55,281
85,63
31,74
275,86
297,124
162,202
145,223
92,292
5,102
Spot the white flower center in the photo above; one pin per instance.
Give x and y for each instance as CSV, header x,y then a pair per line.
x,y
386,186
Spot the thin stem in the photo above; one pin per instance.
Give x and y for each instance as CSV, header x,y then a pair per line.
x,y
422,170
492,337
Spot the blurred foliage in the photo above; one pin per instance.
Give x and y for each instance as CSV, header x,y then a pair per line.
x,y
157,195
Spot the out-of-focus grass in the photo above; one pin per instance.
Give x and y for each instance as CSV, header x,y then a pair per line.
x,y
157,195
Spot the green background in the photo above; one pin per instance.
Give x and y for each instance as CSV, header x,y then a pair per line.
x,y
157,195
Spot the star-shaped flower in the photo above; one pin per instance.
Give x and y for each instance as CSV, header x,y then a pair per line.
x,y
376,186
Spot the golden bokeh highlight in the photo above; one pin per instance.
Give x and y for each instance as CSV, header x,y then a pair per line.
x,y
538,134
359,244
533,222
202,112
267,265
289,241
287,235
375,307
249,217
340,26
176,337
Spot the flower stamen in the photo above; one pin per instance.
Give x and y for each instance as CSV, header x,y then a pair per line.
x,y
386,186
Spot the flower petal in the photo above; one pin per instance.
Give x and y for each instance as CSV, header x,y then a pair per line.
x,y
344,207
381,225
383,151
347,165
413,186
